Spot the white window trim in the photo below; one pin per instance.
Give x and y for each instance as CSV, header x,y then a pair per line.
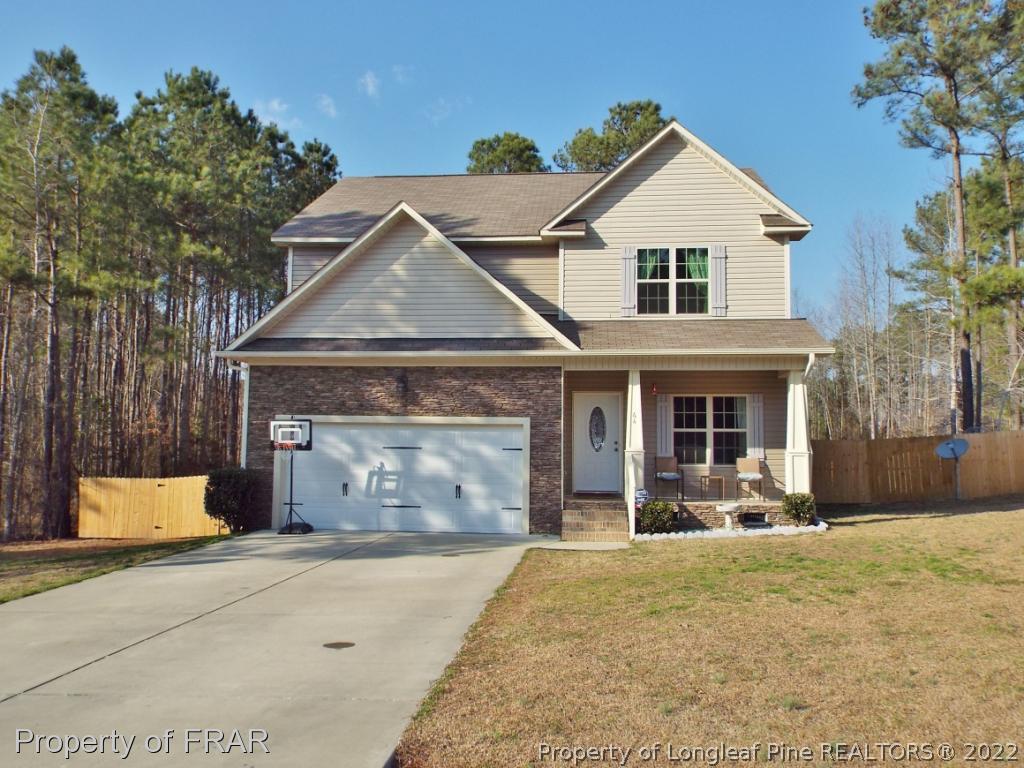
x,y
709,429
673,281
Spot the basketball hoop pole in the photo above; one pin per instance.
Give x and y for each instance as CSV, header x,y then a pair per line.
x,y
291,503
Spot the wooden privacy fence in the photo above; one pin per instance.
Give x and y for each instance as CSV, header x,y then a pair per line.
x,y
907,469
143,508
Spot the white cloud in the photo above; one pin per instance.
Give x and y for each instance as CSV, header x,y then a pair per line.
x,y
402,73
369,84
326,105
441,108
275,110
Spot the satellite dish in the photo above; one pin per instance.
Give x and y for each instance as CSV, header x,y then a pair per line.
x,y
952,449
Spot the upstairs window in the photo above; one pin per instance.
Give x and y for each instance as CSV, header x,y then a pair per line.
x,y
691,281
672,281
653,281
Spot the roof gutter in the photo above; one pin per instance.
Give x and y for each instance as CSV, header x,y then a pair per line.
x,y
771,352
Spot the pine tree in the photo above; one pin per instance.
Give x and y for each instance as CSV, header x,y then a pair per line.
x,y
930,80
628,127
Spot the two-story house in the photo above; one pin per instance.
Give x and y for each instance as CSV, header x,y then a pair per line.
x,y
482,352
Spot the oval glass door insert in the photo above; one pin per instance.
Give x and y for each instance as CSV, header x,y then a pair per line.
x,y
598,428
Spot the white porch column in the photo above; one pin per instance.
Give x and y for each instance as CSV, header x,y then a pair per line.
x,y
798,444
634,449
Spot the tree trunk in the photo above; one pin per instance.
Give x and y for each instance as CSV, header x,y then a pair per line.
x,y
5,351
51,395
960,219
1013,310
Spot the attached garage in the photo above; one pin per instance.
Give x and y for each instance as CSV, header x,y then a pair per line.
x,y
410,474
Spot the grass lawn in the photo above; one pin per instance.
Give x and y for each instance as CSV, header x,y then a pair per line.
x,y
36,566
898,624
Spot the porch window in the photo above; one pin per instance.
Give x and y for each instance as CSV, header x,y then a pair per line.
x,y
722,437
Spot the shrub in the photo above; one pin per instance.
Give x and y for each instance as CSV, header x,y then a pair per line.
x,y
799,507
230,497
655,517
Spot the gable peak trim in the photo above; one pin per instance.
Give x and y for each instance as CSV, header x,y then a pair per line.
x,y
709,153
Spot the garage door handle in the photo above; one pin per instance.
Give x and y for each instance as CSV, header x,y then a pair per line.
x,y
458,491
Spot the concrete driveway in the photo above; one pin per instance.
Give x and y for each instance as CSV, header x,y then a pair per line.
x,y
232,636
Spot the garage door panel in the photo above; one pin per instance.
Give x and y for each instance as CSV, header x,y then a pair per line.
x,y
414,518
382,482
344,516
411,477
489,521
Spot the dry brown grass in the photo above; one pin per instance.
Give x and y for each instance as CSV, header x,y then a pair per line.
x,y
896,625
36,566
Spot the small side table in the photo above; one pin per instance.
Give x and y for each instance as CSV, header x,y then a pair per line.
x,y
705,485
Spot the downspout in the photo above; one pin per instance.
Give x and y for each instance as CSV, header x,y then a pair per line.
x,y
243,369
807,416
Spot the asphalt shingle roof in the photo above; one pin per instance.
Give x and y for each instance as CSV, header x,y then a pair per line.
x,y
399,345
478,205
692,335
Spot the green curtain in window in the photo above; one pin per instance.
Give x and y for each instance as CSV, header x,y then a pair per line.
x,y
700,266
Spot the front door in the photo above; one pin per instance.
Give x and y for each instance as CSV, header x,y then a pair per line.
x,y
596,428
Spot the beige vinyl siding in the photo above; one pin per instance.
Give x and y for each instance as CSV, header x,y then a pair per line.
x,y
766,383
674,196
531,272
307,259
407,284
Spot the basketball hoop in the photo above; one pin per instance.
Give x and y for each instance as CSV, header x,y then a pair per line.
x,y
290,436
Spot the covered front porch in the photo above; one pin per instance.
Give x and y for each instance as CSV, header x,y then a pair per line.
x,y
628,429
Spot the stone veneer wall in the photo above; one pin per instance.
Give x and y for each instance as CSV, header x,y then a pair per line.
x,y
432,391
704,515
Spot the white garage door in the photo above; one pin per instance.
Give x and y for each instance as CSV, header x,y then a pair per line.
x,y
404,477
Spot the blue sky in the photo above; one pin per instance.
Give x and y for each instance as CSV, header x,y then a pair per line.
x,y
406,87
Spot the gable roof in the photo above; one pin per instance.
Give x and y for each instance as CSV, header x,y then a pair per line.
x,y
460,206
466,207
384,223
747,178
